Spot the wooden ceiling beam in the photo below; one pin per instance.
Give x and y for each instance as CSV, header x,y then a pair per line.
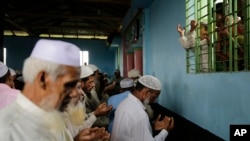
x,y
68,28
17,26
63,16
118,2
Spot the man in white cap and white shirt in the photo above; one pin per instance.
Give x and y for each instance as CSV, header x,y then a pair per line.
x,y
127,87
50,74
131,121
92,102
7,93
135,75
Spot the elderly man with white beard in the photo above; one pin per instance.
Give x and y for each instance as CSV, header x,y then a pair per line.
x,y
50,74
74,116
131,121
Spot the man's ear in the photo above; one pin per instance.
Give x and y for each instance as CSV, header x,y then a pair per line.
x,y
145,92
42,79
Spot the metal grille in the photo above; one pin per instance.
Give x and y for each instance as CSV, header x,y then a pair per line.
x,y
227,46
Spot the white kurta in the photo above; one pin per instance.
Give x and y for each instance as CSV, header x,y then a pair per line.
x,y
24,121
188,42
131,123
204,55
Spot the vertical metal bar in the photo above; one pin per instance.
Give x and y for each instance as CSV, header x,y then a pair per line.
x,y
197,16
247,33
210,31
214,38
197,44
187,52
235,45
190,7
229,24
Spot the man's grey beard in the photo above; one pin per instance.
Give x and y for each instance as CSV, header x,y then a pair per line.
x,y
149,110
49,102
76,113
53,116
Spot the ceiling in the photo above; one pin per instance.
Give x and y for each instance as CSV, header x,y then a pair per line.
x,y
65,17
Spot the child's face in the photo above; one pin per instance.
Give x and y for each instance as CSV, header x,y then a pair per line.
x,y
219,20
203,33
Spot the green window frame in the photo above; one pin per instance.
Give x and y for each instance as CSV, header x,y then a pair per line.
x,y
234,46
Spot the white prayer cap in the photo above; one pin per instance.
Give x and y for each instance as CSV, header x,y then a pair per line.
x,y
150,82
86,71
12,72
126,83
93,67
134,73
57,51
3,69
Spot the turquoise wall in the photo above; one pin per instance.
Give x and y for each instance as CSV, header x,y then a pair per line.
x,y
18,48
213,101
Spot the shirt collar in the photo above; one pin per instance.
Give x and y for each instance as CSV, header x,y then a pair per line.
x,y
132,97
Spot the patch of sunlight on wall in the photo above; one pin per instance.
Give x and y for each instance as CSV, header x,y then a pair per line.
x,y
84,58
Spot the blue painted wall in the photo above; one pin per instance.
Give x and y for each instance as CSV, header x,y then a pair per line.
x,y
213,101
18,48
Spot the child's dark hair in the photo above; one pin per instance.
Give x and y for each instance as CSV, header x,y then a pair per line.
x,y
219,9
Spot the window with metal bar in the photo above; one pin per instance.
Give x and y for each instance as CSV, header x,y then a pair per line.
x,y
221,40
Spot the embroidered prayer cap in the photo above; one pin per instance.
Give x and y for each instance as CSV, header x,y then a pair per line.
x,y
134,73
12,72
150,82
93,67
57,51
126,83
86,71
3,69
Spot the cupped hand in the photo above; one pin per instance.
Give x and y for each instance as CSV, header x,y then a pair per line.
x,y
166,123
103,109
